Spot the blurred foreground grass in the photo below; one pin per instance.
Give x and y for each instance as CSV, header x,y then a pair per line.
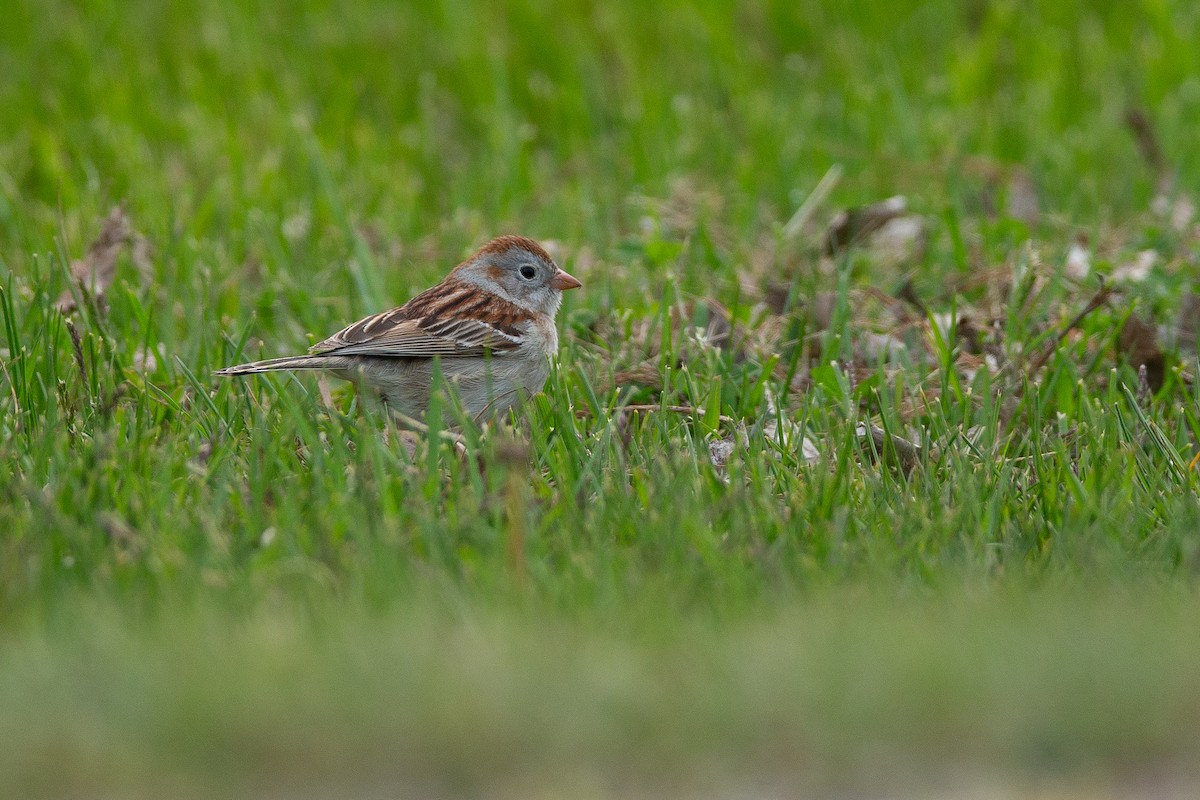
x,y
855,689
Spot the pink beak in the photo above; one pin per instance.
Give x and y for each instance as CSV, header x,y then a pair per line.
x,y
562,281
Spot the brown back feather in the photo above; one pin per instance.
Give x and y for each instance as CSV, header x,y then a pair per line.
x,y
433,311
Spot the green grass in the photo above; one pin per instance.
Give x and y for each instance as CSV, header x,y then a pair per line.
x,y
227,587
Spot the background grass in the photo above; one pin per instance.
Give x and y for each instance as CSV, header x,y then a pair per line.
x,y
219,587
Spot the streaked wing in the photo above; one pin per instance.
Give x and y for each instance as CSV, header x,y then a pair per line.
x,y
443,321
408,339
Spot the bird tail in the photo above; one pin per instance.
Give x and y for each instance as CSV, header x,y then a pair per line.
x,y
285,363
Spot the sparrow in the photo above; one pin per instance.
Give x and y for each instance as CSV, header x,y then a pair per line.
x,y
489,324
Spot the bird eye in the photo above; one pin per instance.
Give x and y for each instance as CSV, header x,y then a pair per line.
x,y
527,272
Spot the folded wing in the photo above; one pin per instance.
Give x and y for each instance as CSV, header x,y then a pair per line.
x,y
453,319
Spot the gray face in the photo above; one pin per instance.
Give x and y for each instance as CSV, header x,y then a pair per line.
x,y
525,269
524,278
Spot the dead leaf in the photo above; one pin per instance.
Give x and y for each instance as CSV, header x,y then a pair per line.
x,y
968,335
777,295
894,450
789,436
1139,344
720,450
898,241
94,272
852,224
908,293
645,374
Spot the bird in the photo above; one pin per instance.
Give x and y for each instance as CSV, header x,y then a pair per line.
x,y
489,325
